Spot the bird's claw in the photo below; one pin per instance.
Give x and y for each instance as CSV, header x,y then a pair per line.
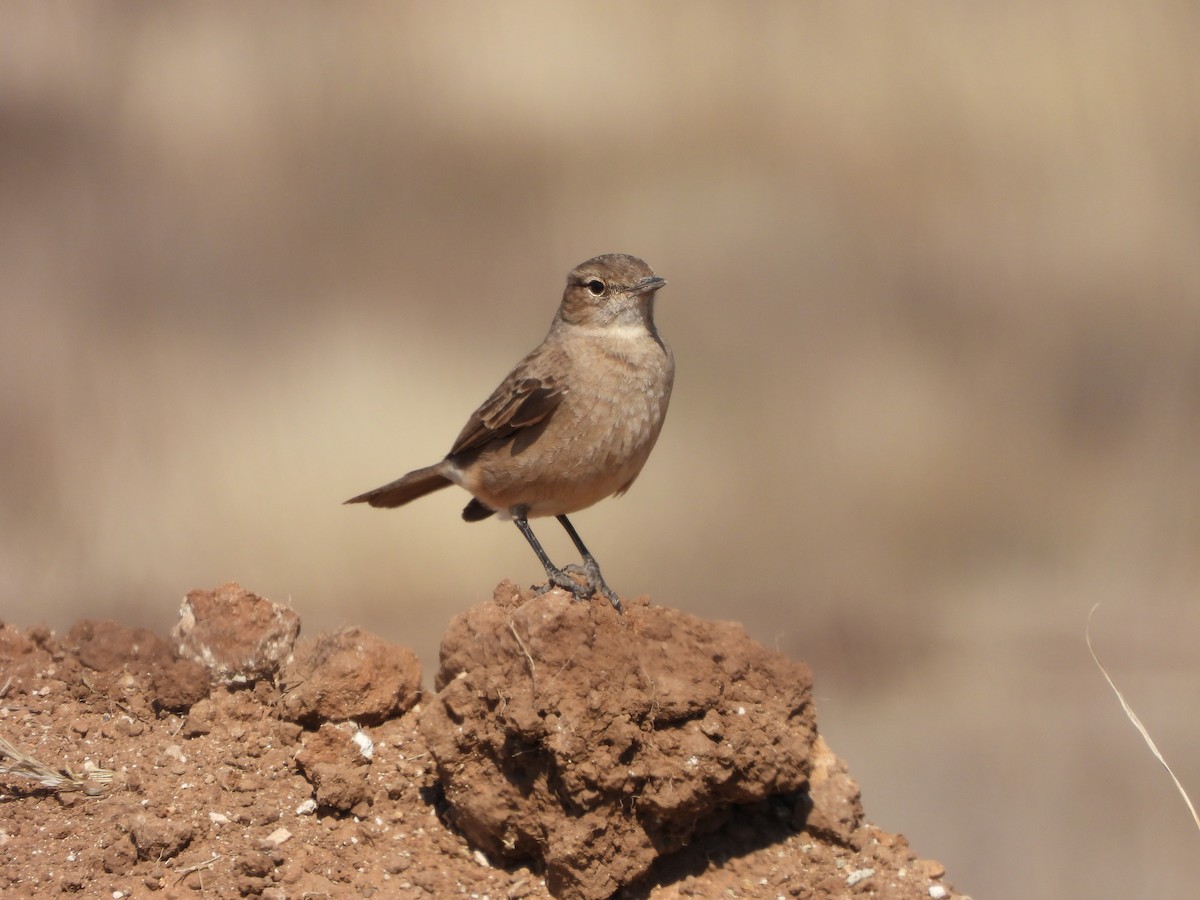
x,y
561,578
594,583
590,571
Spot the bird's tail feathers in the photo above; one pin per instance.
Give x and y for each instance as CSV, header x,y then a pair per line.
x,y
406,488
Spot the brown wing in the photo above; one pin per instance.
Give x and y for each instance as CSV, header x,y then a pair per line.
x,y
522,400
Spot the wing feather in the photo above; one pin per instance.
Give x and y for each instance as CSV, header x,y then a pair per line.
x,y
523,400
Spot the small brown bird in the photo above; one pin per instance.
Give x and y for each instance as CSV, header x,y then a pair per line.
x,y
573,423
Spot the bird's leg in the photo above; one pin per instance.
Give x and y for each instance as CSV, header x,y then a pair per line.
x,y
590,569
558,578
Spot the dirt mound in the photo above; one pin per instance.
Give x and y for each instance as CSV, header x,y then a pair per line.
x,y
568,751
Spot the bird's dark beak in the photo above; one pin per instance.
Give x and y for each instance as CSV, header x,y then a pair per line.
x,y
648,284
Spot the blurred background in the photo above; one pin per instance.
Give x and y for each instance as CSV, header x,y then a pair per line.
x,y
934,296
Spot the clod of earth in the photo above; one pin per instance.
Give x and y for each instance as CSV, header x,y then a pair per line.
x,y
568,751
594,742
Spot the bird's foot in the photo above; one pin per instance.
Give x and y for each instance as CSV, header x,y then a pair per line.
x,y
594,583
590,570
561,578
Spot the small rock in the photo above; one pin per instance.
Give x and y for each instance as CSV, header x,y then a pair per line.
x,y
105,646
253,864
199,719
350,675
278,837
159,839
121,856
858,875
365,745
929,868
835,805
178,684
236,635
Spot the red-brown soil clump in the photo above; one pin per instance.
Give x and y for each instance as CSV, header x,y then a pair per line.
x,y
568,751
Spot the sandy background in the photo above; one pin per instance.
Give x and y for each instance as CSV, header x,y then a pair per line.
x,y
934,295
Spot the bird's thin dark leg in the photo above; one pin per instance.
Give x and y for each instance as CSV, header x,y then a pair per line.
x,y
591,568
557,576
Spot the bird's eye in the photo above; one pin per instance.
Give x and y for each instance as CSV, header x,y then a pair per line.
x,y
596,286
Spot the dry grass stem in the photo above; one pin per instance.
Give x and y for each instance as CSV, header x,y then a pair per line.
x,y
198,867
528,656
17,762
1137,723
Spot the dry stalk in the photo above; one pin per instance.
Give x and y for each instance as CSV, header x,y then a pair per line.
x,y
17,762
1137,723
528,656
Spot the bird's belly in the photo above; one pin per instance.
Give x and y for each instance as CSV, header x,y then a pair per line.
x,y
592,447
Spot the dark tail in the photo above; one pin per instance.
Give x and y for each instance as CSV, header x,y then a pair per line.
x,y
408,487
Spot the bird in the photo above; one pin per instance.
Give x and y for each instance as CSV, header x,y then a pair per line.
x,y
572,424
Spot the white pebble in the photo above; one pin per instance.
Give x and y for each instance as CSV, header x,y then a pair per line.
x,y
365,745
858,875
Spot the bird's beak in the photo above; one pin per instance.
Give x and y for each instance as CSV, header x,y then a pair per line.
x,y
648,284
